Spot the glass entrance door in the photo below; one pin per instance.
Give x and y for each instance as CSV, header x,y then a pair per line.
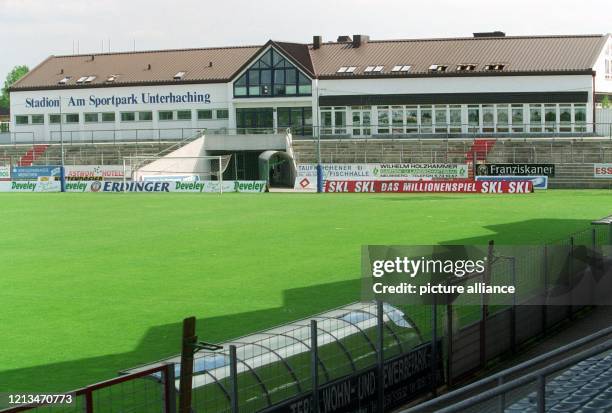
x,y
361,121
255,120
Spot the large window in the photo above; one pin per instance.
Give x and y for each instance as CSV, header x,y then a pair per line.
x,y
412,119
204,114
108,117
128,116
565,118
473,118
22,120
54,119
488,118
38,119
517,118
502,118
165,115
383,119
455,118
272,75
426,119
222,113
298,119
72,118
580,117
441,119
535,118
91,117
183,115
145,116
333,120
550,117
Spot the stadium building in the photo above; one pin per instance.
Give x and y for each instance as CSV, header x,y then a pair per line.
x,y
489,84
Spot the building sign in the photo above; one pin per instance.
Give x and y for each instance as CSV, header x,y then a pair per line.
x,y
602,170
95,172
516,169
476,187
33,172
307,173
406,377
94,101
539,182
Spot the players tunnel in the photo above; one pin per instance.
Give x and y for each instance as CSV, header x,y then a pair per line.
x,y
277,168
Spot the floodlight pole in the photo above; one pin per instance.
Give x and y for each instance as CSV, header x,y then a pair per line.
x,y
319,166
63,157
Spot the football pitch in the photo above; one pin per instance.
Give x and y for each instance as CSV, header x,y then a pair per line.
x,y
94,283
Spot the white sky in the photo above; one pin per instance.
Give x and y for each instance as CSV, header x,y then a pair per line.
x,y
31,30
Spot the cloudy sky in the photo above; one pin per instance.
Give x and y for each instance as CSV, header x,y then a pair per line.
x,y
31,30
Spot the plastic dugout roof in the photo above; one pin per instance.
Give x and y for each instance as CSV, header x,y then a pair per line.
x,y
279,345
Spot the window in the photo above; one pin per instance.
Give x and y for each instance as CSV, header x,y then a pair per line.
x,y
204,114
535,118
455,118
502,118
495,67
128,116
183,115
426,119
222,113
368,69
412,119
397,119
91,117
165,115
64,81
466,68
326,120
565,118
473,118
488,118
111,78
81,79
438,68
550,117
401,68
580,117
517,118
298,119
53,119
339,120
272,75
179,75
108,117
22,120
72,118
383,119
145,116
38,119
441,119
90,79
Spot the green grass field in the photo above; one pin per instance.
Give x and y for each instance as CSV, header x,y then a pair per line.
x,y
94,283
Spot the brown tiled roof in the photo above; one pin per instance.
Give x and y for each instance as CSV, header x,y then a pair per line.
x,y
520,55
133,68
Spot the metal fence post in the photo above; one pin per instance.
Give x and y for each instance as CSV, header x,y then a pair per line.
x,y
434,347
234,378
89,401
570,277
314,365
449,344
545,298
188,345
380,380
169,389
513,311
541,394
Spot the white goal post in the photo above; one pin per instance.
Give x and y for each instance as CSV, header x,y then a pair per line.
x,y
175,168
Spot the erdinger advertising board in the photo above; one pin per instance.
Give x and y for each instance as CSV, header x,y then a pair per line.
x,y
539,182
406,377
473,187
95,172
602,170
166,186
307,173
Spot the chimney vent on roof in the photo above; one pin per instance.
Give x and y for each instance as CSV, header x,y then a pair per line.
x,y
496,33
149,66
344,39
316,42
209,64
92,58
360,39
61,71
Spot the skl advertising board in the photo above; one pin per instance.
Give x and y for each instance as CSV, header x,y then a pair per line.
x,y
474,187
602,170
307,173
539,182
405,378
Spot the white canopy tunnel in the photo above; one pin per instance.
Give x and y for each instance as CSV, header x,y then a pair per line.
x,y
347,332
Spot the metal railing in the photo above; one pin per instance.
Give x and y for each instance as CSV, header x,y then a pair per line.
x,y
503,377
135,392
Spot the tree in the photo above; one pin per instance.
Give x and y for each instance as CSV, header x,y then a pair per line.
x,y
17,73
605,102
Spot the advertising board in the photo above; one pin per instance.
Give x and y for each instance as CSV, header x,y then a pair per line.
x,y
476,187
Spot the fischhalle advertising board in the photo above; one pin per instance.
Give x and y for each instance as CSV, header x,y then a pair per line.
x,y
307,173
